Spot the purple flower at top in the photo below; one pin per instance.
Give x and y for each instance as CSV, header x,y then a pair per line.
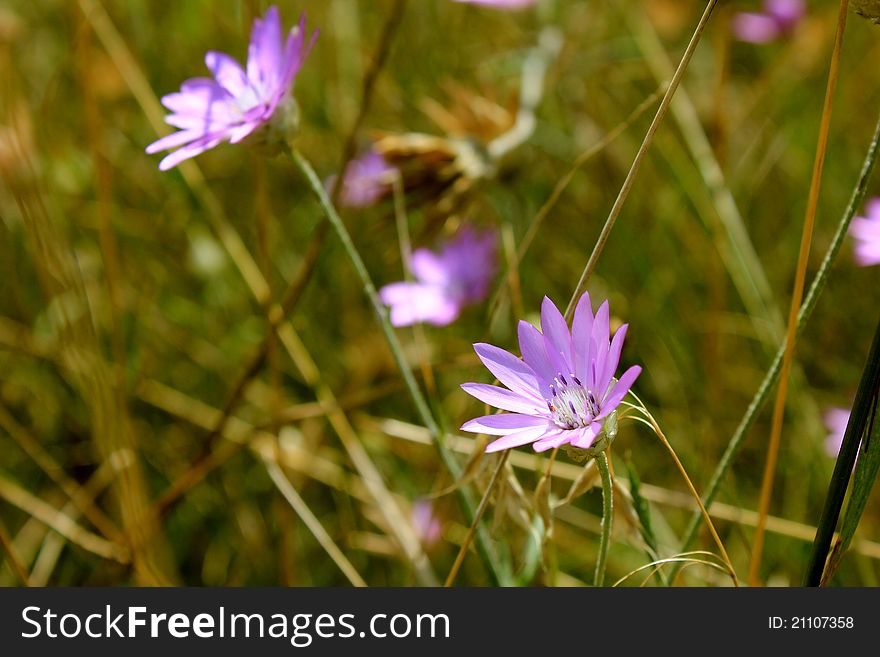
x,y
236,102
562,390
366,180
779,17
447,281
835,419
506,4
866,231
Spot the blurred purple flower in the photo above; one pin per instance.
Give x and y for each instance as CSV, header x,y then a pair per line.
x,y
835,419
366,181
446,282
426,524
506,4
779,17
866,231
235,102
562,390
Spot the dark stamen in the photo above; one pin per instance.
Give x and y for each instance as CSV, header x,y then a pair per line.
x,y
576,380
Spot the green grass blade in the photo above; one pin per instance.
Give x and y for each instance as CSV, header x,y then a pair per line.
x,y
861,425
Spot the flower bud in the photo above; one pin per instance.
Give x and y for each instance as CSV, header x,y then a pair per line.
x,y
868,8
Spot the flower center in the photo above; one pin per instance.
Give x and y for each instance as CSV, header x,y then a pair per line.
x,y
572,404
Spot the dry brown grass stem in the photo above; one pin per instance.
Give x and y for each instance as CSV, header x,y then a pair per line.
x,y
796,298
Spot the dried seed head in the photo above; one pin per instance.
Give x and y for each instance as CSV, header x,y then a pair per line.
x,y
870,9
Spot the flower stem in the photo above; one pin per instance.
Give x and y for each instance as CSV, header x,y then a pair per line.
x,y
497,566
607,513
804,313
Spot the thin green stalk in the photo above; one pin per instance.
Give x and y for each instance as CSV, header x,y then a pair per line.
x,y
500,568
640,156
607,514
804,313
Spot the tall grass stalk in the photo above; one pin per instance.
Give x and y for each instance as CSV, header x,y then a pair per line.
x,y
806,309
796,297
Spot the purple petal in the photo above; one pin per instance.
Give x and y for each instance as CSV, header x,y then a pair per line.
x,y
264,52
612,360
228,72
428,267
531,344
510,370
787,13
554,439
414,302
619,391
503,423
503,398
587,435
581,333
295,52
517,439
754,28
557,339
197,147
174,140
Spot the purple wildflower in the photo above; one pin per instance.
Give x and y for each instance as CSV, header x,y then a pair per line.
x,y
779,17
447,281
235,102
835,419
866,231
366,180
506,4
562,390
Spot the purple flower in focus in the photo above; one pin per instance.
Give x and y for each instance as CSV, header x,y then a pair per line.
x,y
506,4
835,419
366,180
236,102
778,18
447,281
866,231
562,390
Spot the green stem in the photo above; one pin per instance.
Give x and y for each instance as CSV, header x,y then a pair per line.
x,y
607,514
804,313
497,566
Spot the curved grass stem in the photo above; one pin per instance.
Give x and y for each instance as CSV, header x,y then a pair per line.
x,y
500,568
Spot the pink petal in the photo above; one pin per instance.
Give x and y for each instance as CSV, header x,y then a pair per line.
x,y
587,435
581,334
517,439
503,423
502,398
414,302
264,52
509,369
427,267
228,72
531,344
619,391
197,147
754,28
557,339
555,439
612,360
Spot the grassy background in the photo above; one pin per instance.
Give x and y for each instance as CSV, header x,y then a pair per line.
x,y
124,321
